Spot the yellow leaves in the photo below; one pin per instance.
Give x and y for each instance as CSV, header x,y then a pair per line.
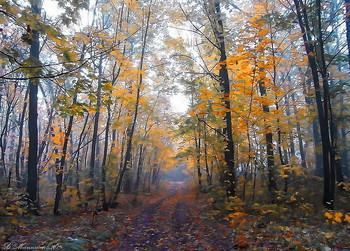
x,y
270,211
206,94
263,32
286,170
120,92
175,44
296,242
347,218
328,215
240,48
107,87
280,94
264,101
218,109
58,138
237,218
277,112
132,4
82,37
337,217
344,185
14,220
84,181
114,53
237,214
192,112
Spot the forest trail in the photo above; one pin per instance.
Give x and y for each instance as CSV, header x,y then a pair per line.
x,y
173,222
174,219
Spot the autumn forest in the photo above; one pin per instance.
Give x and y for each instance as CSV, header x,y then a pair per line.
x,y
174,125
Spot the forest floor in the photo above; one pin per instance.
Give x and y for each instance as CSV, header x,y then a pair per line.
x,y
176,219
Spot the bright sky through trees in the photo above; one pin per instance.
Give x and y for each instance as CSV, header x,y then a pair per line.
x,y
179,103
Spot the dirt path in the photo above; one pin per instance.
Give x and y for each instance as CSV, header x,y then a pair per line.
x,y
170,223
140,233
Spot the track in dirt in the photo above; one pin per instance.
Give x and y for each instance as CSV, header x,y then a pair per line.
x,y
170,223
141,234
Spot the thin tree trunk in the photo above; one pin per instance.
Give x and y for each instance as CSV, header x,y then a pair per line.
x,y
20,139
3,137
94,142
300,138
208,173
78,160
272,185
229,153
347,16
315,130
131,127
198,155
61,165
32,182
104,162
322,106
139,170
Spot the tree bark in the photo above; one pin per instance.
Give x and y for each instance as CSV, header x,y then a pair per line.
x,y
272,186
198,154
229,154
61,164
94,142
347,21
20,140
32,182
104,162
300,138
322,104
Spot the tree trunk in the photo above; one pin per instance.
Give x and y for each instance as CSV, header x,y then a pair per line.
x,y
104,162
300,138
61,164
207,170
315,130
272,186
198,155
322,106
229,154
347,16
3,138
32,182
94,142
20,140
78,158
131,127
139,170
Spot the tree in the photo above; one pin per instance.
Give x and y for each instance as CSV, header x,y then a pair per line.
x,y
132,125
214,15
32,182
316,57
